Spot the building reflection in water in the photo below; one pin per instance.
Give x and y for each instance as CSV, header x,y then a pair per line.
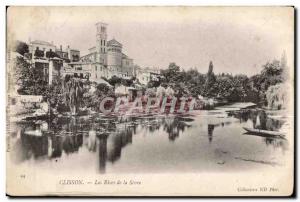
x,y
210,131
259,119
104,136
102,152
174,126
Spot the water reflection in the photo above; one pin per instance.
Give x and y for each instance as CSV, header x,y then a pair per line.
x,y
106,137
277,143
210,130
259,119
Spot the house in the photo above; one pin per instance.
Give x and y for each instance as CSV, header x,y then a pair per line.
x,y
144,75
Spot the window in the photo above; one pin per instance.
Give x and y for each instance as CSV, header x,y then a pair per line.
x,y
96,75
96,68
104,42
101,42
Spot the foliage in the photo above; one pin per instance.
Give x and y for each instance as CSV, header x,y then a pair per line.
x,y
238,88
150,92
39,53
114,80
51,54
73,93
175,79
153,83
93,99
29,79
21,47
277,96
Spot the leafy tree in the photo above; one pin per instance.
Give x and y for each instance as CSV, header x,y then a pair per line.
x,y
93,100
51,54
154,83
21,47
171,73
114,80
271,75
175,79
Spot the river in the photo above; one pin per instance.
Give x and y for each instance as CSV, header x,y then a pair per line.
x,y
209,141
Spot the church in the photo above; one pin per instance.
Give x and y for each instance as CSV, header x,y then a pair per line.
x,y
106,58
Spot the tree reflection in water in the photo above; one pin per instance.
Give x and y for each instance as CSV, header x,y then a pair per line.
x,y
257,115
210,130
266,123
277,143
107,136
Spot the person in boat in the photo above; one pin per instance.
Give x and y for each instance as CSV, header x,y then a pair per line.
x,y
261,120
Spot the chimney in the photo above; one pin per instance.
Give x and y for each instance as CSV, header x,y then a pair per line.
x,y
60,47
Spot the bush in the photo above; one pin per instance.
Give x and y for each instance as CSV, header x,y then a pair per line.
x,y
39,53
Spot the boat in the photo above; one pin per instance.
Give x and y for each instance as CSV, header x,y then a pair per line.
x,y
264,132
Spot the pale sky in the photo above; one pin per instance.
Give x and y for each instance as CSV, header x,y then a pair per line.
x,y
237,40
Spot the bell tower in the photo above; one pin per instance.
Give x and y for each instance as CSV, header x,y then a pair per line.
x,y
101,42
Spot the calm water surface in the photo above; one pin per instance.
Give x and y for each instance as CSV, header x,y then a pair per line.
x,y
209,141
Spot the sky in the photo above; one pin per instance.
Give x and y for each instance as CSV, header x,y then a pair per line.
x,y
239,40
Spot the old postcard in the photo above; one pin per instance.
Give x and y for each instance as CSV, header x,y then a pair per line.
x,y
150,101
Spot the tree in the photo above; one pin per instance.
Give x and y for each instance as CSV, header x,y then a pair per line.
x,y
51,54
271,75
175,79
209,89
171,73
38,53
93,100
73,94
21,47
29,79
114,80
277,96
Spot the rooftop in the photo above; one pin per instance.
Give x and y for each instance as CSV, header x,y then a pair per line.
x,y
114,42
42,43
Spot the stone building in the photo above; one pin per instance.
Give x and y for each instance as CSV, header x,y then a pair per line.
x,y
51,61
144,75
106,58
